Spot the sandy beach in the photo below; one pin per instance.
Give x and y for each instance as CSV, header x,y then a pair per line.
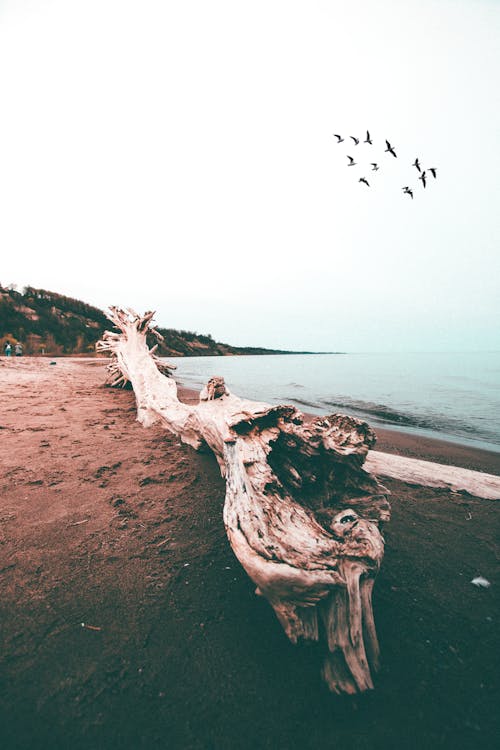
x,y
127,622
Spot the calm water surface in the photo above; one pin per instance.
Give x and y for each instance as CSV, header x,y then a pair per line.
x,y
449,396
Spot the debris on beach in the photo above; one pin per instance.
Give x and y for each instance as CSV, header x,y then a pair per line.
x,y
481,582
301,511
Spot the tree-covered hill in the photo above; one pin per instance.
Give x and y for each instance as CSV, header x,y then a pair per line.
x,y
49,323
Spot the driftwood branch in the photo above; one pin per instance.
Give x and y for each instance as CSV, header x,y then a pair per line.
x,y
301,513
430,474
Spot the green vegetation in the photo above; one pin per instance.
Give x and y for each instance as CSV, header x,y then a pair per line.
x,y
49,323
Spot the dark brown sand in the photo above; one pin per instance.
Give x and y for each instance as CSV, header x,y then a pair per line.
x,y
119,527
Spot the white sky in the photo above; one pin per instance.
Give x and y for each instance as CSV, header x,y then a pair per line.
x,y
179,156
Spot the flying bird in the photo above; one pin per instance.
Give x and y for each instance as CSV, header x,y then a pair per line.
x,y
433,171
408,191
423,177
368,139
390,149
352,162
363,179
356,140
416,164
339,138
374,166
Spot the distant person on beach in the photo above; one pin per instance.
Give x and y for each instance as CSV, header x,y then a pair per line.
x,y
8,349
18,350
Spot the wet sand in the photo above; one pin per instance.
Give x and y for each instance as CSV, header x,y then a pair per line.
x,y
106,523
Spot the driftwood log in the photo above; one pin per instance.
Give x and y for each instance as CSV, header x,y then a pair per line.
x,y
302,515
431,474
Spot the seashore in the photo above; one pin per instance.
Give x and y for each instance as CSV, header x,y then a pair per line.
x,y
402,443
120,528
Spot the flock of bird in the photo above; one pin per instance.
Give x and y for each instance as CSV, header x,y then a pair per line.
x,y
423,176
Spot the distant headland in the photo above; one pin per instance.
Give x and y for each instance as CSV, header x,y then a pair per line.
x,y
48,323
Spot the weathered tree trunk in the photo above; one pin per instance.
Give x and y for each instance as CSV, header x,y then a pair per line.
x,y
301,513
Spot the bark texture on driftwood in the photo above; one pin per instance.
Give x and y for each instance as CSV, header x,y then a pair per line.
x,y
301,513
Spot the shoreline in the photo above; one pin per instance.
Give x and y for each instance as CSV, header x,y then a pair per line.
x,y
393,441
410,445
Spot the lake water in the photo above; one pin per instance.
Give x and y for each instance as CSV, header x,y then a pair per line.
x,y
455,397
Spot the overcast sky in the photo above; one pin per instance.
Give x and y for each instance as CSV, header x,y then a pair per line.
x,y
179,156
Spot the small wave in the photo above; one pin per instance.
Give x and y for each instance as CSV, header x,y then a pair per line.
x,y
381,411
302,402
388,415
